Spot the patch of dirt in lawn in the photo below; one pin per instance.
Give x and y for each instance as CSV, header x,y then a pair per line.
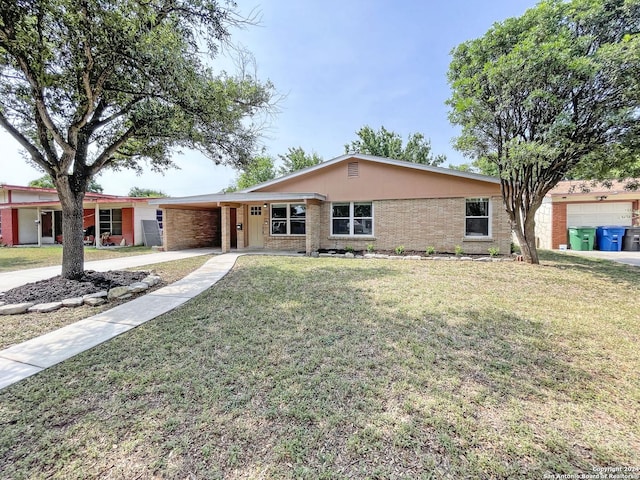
x,y
58,288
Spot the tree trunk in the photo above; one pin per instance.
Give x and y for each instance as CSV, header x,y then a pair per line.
x,y
72,230
526,235
527,241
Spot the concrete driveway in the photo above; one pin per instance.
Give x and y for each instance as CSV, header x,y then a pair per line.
x,y
628,258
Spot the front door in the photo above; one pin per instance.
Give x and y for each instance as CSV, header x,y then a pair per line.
x,y
47,226
256,238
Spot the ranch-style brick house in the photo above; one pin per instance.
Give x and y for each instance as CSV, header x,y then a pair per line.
x,y
33,216
351,201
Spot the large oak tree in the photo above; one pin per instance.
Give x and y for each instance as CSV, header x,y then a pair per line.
x,y
87,85
551,91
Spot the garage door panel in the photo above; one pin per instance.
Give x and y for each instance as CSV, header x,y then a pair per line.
x,y
599,213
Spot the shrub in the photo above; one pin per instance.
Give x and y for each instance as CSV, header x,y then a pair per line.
x,y
349,249
370,248
400,250
458,250
493,251
431,250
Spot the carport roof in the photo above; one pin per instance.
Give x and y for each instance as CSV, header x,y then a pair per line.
x,y
218,199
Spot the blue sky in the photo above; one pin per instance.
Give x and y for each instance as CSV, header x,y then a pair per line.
x,y
340,65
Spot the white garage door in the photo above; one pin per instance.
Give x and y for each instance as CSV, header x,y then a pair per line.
x,y
597,214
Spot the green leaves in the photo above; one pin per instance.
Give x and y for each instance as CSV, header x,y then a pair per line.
x,y
541,94
388,144
296,159
127,77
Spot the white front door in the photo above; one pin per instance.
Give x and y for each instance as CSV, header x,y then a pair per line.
x,y
256,237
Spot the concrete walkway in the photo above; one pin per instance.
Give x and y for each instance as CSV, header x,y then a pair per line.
x,y
30,357
9,280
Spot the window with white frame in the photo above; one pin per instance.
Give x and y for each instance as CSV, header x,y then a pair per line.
x,y
111,221
477,217
352,218
159,219
288,218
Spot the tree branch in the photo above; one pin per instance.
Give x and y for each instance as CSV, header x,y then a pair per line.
x,y
106,156
30,147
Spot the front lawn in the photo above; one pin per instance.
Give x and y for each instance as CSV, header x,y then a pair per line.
x,y
337,368
19,328
20,258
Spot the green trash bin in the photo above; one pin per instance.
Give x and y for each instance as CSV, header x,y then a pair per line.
x,y
582,238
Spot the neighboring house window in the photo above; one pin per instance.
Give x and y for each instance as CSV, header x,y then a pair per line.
x,y
352,218
288,218
477,212
111,221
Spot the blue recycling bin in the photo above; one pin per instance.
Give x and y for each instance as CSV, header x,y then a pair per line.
x,y
609,238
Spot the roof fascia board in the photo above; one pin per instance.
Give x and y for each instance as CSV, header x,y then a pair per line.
x,y
238,197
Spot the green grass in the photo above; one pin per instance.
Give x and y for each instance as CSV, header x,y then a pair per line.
x,y
325,368
20,258
19,328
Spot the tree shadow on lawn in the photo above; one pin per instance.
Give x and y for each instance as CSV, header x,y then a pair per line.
x,y
313,375
605,269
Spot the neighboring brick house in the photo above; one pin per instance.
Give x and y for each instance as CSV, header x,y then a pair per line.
x,y
33,216
350,201
584,203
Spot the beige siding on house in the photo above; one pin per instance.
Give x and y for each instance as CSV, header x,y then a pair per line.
x,y
378,181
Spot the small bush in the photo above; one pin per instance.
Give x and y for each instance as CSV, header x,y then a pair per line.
x,y
370,248
431,250
493,251
400,250
349,249
458,250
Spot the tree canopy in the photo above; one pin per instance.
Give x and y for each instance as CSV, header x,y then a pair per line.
x,y
86,86
389,144
146,192
546,93
296,159
259,169
46,182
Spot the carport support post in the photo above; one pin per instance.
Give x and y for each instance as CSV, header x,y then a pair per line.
x,y
226,225
313,226
96,228
39,226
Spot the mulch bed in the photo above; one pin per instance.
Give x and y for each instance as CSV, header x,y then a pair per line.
x,y
57,288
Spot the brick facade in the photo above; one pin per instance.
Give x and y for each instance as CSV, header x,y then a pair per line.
x,y
415,223
559,226
184,228
419,223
